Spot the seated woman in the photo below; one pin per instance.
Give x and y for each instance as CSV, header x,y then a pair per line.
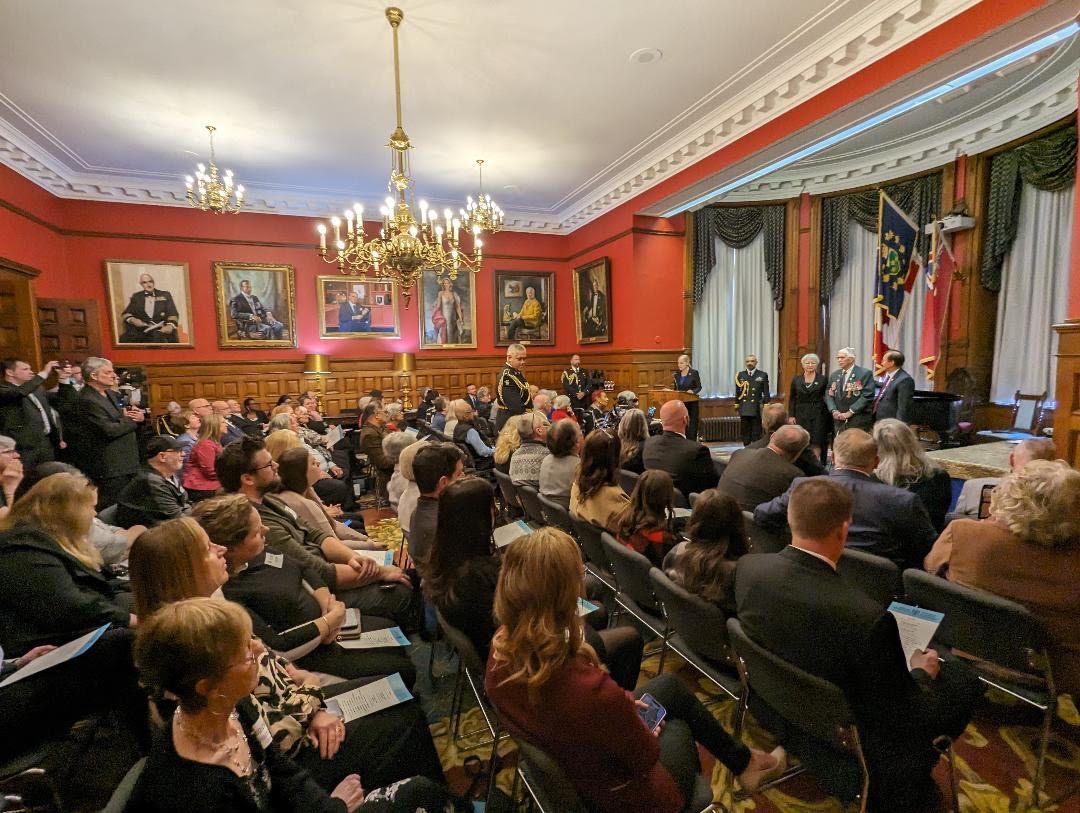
x,y
411,493
190,436
175,561
595,495
902,462
393,445
440,408
1027,550
199,477
550,690
214,753
11,473
561,409
506,444
647,523
331,488
292,609
704,565
559,469
633,432
333,494
52,591
598,416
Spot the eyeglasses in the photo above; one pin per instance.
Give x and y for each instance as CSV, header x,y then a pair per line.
x,y
260,468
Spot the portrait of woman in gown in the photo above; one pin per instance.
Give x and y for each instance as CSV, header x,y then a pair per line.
x,y
447,314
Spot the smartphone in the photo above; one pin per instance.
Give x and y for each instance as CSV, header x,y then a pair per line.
x,y
346,522
653,713
351,627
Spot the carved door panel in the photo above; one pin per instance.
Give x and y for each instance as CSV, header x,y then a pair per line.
x,y
18,334
70,329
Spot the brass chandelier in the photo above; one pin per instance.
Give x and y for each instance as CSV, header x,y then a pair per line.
x,y
404,248
482,213
212,192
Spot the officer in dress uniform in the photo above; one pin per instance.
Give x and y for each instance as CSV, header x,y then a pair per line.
x,y
576,384
850,394
512,397
151,316
751,392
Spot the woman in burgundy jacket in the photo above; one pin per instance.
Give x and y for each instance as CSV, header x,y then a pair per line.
x,y
551,691
200,471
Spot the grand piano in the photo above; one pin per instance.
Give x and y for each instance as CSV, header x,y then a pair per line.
x,y
939,411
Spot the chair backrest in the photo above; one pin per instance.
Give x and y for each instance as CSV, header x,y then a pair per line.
x,y
680,500
470,658
558,516
550,787
429,431
1025,411
981,624
761,540
811,704
631,571
876,576
108,515
628,480
508,489
530,501
589,537
118,802
700,624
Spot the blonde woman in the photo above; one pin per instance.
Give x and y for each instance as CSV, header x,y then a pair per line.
x,y
505,445
410,494
199,475
903,463
547,681
1027,550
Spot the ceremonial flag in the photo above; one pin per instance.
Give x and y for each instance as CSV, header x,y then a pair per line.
x,y
939,277
897,269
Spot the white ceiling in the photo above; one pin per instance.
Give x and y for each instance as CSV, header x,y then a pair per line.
x,y
107,99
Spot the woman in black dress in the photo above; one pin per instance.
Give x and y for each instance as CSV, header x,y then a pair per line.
x,y
806,404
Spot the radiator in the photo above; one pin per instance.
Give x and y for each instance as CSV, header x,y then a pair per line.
x,y
720,429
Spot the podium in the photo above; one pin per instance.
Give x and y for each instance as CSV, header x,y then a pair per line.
x,y
659,397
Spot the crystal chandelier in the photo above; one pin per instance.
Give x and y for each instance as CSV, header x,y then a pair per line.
x,y
404,248
482,213
213,193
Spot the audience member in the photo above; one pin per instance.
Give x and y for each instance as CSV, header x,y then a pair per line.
x,y
252,413
372,432
633,432
596,496
411,494
200,477
967,504
25,412
558,470
393,445
229,432
395,414
526,460
11,473
435,467
796,605
464,432
440,406
472,396
314,418
541,402
688,462
201,652
561,409
888,521
1028,551
427,404
170,424
775,415
903,463
646,524
704,564
190,436
155,493
754,476
546,682
597,415
487,404
286,432
506,444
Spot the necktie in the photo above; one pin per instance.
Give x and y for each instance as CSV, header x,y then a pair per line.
x,y
44,413
881,392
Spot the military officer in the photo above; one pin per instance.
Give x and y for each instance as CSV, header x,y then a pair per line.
x,y
512,397
151,316
850,394
576,384
751,391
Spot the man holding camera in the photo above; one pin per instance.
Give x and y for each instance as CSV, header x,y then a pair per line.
x,y
26,415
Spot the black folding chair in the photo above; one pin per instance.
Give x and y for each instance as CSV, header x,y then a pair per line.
x,y
530,501
511,503
558,516
628,480
876,576
596,560
634,593
122,795
761,540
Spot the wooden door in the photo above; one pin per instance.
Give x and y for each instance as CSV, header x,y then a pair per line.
x,y
70,329
18,328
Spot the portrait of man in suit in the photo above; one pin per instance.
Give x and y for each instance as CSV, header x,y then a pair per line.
x,y
255,305
353,316
591,296
156,306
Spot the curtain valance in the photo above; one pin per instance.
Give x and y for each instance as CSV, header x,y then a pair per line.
x,y
738,226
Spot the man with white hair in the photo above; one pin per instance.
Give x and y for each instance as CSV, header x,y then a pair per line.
x,y
512,396
1023,453
526,459
151,316
850,394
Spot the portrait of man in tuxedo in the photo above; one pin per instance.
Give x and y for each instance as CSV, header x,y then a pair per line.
x,y
151,316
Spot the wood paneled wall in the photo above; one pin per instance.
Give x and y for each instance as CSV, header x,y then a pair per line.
x,y
1067,414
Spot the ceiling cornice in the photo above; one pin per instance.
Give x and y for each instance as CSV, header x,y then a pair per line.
x,y
716,121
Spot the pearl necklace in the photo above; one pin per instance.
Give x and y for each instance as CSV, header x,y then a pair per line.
x,y
230,746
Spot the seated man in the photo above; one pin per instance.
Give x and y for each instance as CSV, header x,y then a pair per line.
x,y
252,319
435,467
795,604
525,461
154,493
688,462
773,416
967,505
754,476
888,521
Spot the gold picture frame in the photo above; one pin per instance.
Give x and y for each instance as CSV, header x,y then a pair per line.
x,y
376,316
271,294
447,328
170,304
512,291
592,302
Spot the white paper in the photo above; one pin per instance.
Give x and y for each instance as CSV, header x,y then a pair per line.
x,y
62,654
379,557
274,559
412,430
376,638
585,607
682,513
917,627
365,700
333,436
508,533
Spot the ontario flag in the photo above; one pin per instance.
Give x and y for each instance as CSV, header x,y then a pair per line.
x,y
898,267
939,277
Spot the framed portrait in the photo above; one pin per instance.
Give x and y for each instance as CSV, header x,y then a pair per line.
x,y
447,312
357,307
592,301
524,307
256,304
149,303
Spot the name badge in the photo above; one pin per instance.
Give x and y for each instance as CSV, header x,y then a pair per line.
x,y
262,733
275,559
292,513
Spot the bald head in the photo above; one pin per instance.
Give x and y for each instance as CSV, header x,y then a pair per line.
x,y
855,449
674,417
789,441
1031,449
220,407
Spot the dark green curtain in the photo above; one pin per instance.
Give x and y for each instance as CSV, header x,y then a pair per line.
x,y
738,227
919,197
1047,163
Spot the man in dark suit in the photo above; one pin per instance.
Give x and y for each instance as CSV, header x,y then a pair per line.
x,y
231,432
688,462
897,392
577,386
751,392
512,395
754,476
850,394
253,321
888,521
25,414
593,312
796,605
104,438
773,416
352,316
472,398
150,315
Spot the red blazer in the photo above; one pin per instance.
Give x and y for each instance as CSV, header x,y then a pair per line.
x,y
199,472
591,728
